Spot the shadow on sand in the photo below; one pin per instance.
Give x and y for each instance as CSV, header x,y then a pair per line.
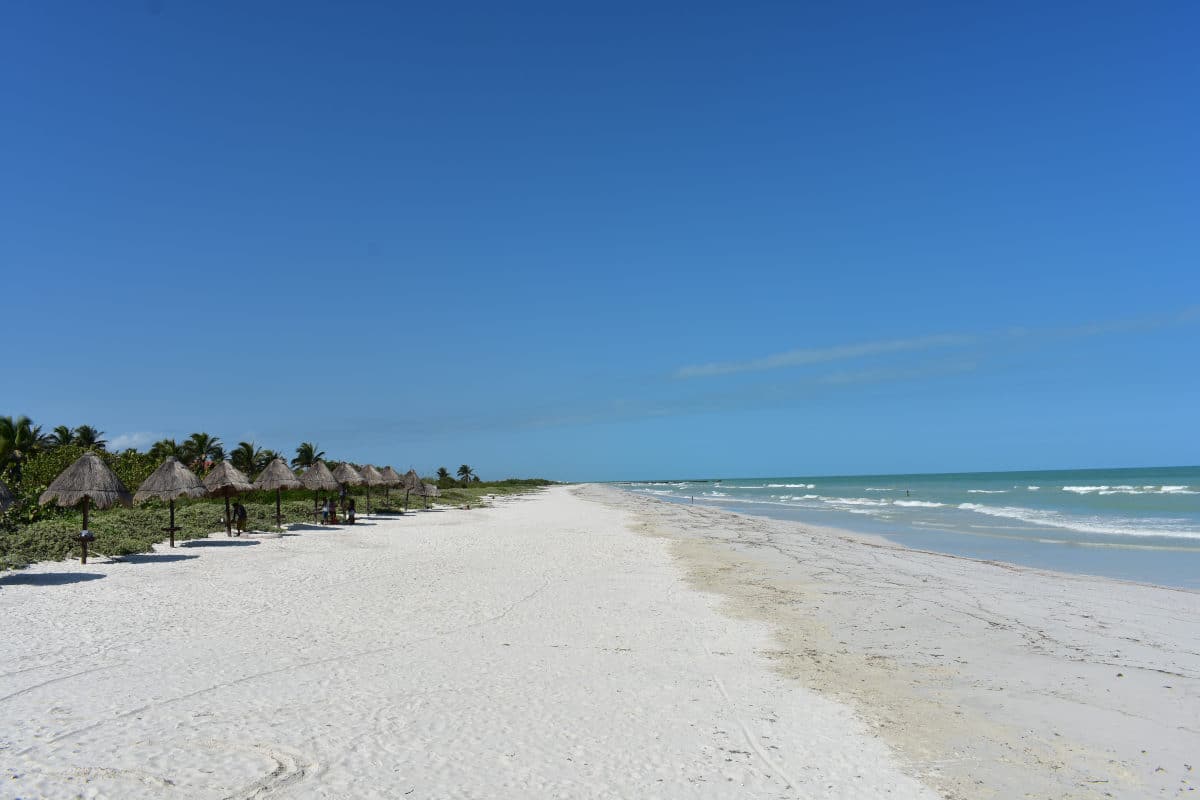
x,y
152,558
218,543
48,578
304,526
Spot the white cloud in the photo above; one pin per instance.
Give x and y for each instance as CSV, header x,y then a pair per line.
x,y
137,439
819,355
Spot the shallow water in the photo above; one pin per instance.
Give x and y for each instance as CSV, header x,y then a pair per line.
x,y
1138,524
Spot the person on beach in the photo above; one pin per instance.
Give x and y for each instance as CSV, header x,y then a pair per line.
x,y
239,516
325,512
350,511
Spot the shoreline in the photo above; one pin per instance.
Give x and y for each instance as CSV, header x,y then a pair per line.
x,y
902,538
990,679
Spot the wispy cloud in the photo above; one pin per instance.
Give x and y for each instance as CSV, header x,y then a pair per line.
x,y
138,439
820,355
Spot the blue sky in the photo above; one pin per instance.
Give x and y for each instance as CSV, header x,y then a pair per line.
x,y
610,240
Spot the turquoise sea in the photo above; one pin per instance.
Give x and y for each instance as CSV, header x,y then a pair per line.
x,y
1138,524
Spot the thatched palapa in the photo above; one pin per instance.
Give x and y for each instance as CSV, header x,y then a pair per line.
x,y
371,477
169,482
428,490
391,478
347,475
89,478
88,481
412,483
226,480
317,478
277,476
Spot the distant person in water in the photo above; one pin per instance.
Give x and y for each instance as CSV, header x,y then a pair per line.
x,y
906,494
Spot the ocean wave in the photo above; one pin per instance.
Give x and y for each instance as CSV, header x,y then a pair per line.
x,y
987,491
789,486
716,494
1033,488
854,501
876,489
1131,527
1125,489
917,504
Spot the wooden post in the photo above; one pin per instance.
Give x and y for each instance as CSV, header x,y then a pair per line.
x,y
228,518
368,499
83,539
278,513
172,529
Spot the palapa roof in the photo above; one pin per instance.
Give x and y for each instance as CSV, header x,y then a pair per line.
x,y
226,478
277,475
429,490
6,497
318,476
412,481
348,475
88,477
371,476
170,481
392,477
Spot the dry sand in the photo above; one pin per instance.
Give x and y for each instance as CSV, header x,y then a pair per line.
x,y
989,680
537,649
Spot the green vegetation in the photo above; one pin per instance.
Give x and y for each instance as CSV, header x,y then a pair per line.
x,y
31,459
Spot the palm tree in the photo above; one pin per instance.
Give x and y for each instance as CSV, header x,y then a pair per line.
x,y
465,473
307,454
200,448
61,436
246,457
443,473
163,448
88,437
19,438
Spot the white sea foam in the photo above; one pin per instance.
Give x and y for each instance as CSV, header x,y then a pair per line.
x,y
1125,527
877,489
1084,489
1033,488
1177,490
917,504
716,494
790,486
854,501
987,491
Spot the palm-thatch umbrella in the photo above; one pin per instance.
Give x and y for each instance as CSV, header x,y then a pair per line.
x,y
428,490
371,477
347,475
6,497
226,480
318,477
277,476
169,482
412,483
90,481
392,478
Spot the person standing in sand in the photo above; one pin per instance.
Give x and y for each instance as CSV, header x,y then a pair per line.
x,y
239,516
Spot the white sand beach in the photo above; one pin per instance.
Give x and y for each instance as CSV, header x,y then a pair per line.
x,y
585,643
536,649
